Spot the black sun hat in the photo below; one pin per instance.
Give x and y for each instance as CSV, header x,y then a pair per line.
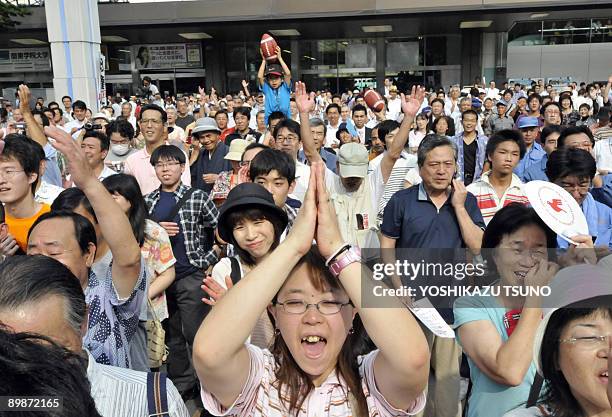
x,y
244,195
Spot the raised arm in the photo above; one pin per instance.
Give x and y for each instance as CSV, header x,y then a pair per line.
x,y
410,107
286,70
220,357
606,93
245,88
114,224
401,374
507,362
305,103
213,95
261,72
33,129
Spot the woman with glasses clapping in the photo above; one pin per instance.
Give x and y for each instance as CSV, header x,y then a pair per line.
x,y
314,365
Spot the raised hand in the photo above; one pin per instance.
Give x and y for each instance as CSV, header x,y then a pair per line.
x,y
80,171
214,290
305,102
328,236
303,231
245,84
25,96
412,103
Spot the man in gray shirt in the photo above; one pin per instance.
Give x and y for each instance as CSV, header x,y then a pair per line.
x,y
501,120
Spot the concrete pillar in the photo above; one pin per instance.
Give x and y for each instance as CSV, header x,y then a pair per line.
x,y
214,61
470,55
488,56
296,72
73,27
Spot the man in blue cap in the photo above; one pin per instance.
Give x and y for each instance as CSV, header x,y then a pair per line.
x,y
530,128
501,120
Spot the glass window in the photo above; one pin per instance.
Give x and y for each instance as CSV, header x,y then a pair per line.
x,y
322,54
566,32
404,53
235,57
601,30
357,53
118,58
525,34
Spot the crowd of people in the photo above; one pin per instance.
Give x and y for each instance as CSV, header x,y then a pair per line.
x,y
194,233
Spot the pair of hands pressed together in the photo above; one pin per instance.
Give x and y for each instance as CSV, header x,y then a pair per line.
x,y
316,220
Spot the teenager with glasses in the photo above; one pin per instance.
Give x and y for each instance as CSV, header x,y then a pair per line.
x,y
20,163
573,170
189,217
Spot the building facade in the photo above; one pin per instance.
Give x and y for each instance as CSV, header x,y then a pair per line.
x,y
330,44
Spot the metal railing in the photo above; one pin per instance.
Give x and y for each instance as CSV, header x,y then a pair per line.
x,y
555,32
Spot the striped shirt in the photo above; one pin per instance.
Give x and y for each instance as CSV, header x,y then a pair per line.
x,y
602,133
487,199
261,398
395,182
120,392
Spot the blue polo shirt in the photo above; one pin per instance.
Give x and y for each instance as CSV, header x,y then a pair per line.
x,y
604,194
536,171
328,157
276,99
415,222
531,158
599,219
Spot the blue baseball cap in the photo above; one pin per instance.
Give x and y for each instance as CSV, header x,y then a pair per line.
x,y
527,121
476,103
502,102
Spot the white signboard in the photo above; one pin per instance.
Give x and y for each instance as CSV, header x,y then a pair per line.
x,y
175,55
25,60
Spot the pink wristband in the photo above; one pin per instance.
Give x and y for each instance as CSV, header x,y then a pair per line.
x,y
346,258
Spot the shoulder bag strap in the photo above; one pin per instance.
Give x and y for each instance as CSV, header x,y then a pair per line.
x,y
235,274
534,393
157,396
180,204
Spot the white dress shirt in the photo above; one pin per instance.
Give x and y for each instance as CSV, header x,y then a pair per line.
x,y
330,136
394,108
120,392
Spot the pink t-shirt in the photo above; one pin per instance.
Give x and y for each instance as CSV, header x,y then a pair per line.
x,y
138,164
260,398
